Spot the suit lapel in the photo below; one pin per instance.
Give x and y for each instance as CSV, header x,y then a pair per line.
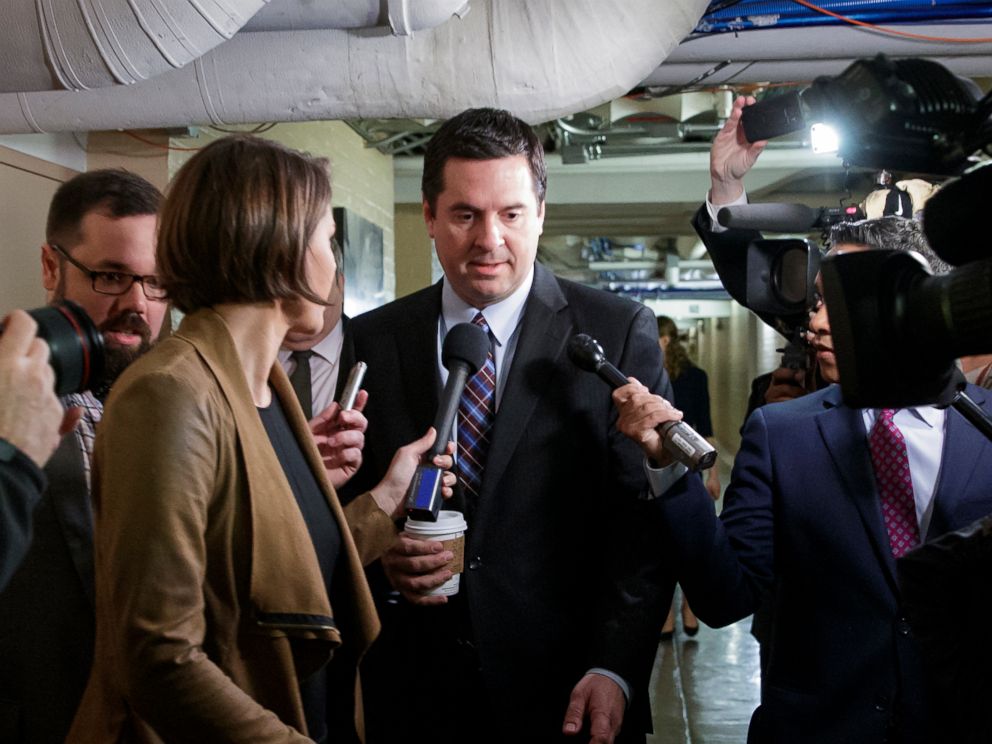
x,y
842,429
543,334
71,502
416,344
964,448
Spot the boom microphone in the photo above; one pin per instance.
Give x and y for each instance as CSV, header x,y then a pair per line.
x,y
680,440
772,217
463,353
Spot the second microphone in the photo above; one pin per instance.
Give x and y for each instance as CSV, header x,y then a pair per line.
x,y
681,441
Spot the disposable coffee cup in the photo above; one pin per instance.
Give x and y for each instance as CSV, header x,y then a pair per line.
x,y
449,529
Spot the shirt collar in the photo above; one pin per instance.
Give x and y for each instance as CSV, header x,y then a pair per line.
x,y
328,348
929,415
502,317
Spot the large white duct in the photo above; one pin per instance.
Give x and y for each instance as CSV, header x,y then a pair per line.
x,y
402,16
55,44
541,60
800,54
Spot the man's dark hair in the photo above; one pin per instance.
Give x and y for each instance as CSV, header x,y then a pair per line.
x,y
888,233
112,191
482,134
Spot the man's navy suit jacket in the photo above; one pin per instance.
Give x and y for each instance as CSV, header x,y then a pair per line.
x,y
556,573
802,516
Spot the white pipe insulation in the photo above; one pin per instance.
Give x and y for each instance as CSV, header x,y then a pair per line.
x,y
541,59
403,17
57,44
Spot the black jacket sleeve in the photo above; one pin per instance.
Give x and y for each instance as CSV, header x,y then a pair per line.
x,y
21,486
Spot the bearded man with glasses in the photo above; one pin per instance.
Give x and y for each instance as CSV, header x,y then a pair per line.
x,y
99,252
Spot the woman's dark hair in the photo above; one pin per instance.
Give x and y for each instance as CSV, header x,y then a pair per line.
x,y
676,357
237,221
482,134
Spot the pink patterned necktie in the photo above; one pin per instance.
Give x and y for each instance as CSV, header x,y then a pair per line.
x,y
895,485
475,419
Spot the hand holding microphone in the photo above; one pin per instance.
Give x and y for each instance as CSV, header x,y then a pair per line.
x,y
464,351
678,439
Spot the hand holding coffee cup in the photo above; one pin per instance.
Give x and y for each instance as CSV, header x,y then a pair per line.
x,y
425,562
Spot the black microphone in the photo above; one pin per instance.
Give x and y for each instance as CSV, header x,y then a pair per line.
x,y
771,217
463,353
680,440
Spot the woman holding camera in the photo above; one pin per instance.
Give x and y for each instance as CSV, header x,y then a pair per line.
x,y
231,598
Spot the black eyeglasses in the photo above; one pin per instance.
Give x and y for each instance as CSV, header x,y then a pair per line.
x,y
116,282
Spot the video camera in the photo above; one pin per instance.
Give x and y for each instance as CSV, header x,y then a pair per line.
x,y
897,329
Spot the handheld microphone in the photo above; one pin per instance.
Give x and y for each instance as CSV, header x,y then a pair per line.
x,y
680,440
463,353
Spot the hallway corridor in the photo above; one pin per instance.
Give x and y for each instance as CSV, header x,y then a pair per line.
x,y
704,689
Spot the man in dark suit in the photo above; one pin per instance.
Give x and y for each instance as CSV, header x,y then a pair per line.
x,y
561,596
313,363
813,513
100,253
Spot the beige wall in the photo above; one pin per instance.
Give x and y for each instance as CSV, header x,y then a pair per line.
x,y
147,156
413,250
27,185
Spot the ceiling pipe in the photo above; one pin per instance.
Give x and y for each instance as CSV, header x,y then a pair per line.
x,y
540,60
91,44
403,17
801,54
708,74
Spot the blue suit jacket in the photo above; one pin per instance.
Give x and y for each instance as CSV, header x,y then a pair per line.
x,y
801,516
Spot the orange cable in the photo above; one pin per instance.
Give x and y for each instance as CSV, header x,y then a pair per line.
x,y
892,31
160,147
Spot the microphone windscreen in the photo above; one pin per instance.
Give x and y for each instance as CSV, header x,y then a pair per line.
x,y
770,217
585,352
466,343
952,217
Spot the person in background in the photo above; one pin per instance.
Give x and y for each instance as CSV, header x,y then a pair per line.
x,y
31,423
230,598
313,362
692,397
99,252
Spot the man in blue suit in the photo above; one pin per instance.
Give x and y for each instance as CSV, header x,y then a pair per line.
x,y
808,514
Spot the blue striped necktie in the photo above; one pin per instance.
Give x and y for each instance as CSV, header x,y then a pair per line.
x,y
475,419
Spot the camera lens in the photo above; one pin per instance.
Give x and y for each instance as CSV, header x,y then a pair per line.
x,y
75,343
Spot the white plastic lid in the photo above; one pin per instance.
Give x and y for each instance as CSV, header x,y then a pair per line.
x,y
448,522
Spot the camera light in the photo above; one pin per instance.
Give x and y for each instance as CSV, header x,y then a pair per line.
x,y
824,138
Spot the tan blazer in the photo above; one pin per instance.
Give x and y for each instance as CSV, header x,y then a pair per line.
x,y
210,603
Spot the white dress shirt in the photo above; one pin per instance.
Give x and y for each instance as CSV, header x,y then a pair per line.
x,y
324,365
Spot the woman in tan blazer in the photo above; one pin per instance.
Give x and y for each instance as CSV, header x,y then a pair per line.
x,y
227,572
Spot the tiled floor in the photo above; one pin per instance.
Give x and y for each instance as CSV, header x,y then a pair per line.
x,y
704,689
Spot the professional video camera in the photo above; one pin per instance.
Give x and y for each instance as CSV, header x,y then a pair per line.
x,y
897,330
780,274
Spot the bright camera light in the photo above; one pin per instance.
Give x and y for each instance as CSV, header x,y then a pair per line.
x,y
824,138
